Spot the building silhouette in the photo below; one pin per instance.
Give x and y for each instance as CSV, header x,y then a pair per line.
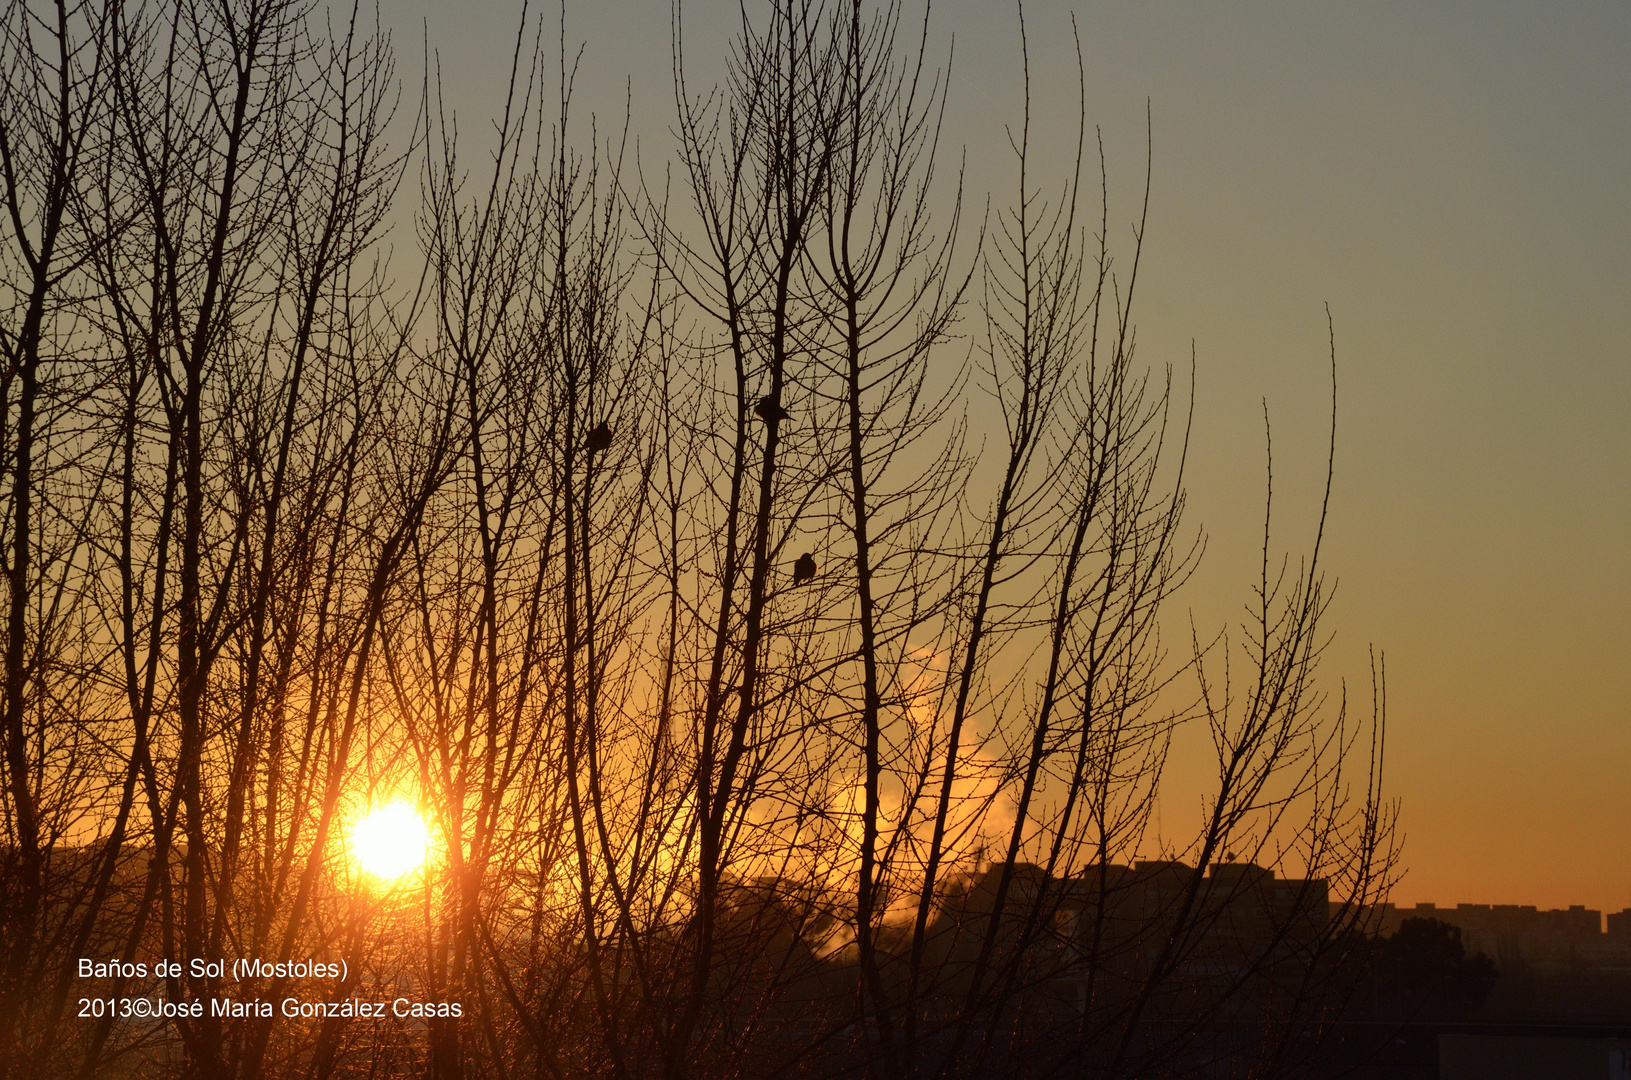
x,y
1564,964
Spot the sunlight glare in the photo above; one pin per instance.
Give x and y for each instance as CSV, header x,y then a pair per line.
x,y
390,841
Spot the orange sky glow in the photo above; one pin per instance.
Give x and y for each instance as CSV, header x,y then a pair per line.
x,y
1452,181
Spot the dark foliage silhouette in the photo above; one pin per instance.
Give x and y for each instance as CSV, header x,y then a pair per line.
x,y
1422,971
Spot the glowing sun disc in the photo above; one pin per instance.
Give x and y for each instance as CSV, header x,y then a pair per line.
x,y
390,841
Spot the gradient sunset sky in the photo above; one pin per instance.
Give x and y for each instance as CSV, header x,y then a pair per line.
x,y
1455,180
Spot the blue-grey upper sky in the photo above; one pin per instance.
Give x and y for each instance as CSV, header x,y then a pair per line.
x,y
1455,180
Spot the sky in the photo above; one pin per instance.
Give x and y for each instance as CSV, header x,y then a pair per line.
x,y
1454,181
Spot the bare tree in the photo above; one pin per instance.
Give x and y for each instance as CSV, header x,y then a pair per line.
x,y
638,538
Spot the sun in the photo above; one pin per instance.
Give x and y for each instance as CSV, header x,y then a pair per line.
x,y
390,840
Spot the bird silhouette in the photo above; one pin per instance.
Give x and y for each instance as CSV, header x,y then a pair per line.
x,y
770,411
804,569
599,439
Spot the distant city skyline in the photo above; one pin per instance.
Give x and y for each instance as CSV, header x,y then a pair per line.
x,y
1575,916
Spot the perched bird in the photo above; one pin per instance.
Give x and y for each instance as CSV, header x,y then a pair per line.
x,y
771,412
804,569
599,439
